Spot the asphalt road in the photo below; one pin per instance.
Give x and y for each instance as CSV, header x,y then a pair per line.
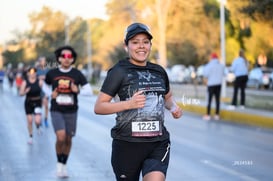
x,y
201,151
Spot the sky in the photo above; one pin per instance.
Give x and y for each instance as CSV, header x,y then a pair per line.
x,y
14,13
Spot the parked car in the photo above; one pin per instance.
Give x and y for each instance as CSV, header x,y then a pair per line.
x,y
230,76
168,71
271,80
199,74
191,74
259,77
179,74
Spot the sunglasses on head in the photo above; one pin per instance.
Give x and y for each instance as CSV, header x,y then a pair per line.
x,y
137,25
66,55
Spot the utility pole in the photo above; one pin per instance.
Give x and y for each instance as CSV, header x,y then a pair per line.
x,y
223,42
89,53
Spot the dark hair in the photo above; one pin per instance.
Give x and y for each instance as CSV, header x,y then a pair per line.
x,y
30,69
66,47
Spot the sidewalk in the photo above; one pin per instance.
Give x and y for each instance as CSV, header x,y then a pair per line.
x,y
193,99
248,116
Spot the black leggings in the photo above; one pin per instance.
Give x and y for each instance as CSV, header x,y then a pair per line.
x,y
214,90
240,83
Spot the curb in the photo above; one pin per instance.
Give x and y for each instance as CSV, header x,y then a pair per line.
x,y
234,116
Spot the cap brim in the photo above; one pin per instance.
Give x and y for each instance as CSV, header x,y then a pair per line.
x,y
138,31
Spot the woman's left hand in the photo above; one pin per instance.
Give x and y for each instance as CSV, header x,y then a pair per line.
x,y
177,112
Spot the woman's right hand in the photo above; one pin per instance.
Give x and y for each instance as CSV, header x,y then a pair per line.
x,y
137,100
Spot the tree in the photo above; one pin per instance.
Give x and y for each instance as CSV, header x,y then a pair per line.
x,y
259,10
162,8
47,30
252,27
185,32
13,57
261,41
52,29
194,26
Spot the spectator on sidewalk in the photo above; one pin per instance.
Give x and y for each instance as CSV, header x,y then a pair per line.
x,y
240,69
214,73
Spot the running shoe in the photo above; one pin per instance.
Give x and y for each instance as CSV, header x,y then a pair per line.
x,y
231,107
206,118
59,172
64,172
30,141
216,117
39,131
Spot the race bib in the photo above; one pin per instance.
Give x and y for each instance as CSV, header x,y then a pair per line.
x,y
146,128
65,99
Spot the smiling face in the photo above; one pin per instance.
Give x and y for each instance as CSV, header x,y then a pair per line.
x,y
66,59
139,48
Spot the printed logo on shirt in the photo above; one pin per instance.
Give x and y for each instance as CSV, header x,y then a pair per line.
x,y
64,86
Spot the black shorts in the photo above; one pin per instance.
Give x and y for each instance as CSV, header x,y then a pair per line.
x,y
130,158
33,106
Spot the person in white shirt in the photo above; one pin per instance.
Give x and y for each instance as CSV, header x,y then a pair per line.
x,y
240,69
214,73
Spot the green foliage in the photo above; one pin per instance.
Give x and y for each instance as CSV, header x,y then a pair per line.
x,y
117,54
78,38
232,49
211,9
259,10
185,53
13,57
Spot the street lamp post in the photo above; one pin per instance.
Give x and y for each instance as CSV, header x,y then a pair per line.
x,y
223,42
89,53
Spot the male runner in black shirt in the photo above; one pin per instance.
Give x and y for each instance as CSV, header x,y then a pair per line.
x,y
65,81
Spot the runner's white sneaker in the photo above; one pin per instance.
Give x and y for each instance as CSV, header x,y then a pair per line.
x,y
59,172
206,118
30,141
39,131
216,117
64,172
231,107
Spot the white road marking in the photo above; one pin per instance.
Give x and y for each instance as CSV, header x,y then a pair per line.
x,y
228,170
